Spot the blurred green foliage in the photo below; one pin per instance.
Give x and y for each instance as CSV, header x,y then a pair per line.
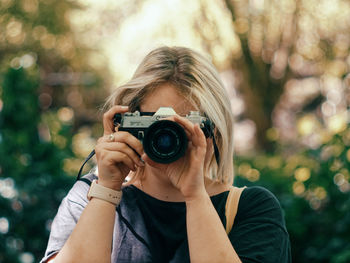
x,y
49,93
43,70
32,181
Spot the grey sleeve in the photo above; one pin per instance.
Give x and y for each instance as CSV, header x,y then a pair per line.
x,y
66,218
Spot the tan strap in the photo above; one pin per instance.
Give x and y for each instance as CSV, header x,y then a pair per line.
x,y
232,206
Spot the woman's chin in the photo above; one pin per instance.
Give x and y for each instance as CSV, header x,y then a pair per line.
x,y
152,163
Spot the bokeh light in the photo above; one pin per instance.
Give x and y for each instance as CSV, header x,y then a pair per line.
x,y
7,188
302,174
4,225
65,114
26,257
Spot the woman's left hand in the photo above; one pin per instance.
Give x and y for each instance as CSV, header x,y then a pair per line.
x,y
187,173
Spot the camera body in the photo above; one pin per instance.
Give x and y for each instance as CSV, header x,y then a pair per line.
x,y
164,141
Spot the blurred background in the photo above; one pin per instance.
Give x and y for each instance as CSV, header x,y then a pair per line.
x,y
284,63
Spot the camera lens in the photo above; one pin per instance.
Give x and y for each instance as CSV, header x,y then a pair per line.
x,y
165,141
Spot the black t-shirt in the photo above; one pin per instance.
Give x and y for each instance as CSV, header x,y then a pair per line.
x,y
258,235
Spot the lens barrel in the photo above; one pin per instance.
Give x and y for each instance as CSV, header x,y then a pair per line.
x,y
165,141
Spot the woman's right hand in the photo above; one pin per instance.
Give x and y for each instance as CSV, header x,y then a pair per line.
x,y
116,157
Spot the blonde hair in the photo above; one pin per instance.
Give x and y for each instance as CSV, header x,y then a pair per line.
x,y
196,78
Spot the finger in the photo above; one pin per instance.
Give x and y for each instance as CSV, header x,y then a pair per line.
x,y
123,148
172,118
196,134
199,139
108,126
186,124
117,158
124,137
106,138
146,159
130,140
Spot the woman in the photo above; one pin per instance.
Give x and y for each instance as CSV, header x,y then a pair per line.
x,y
167,212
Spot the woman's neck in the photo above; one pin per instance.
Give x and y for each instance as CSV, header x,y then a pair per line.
x,y
155,183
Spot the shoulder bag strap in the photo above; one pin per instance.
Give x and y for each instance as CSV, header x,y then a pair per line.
x,y
232,206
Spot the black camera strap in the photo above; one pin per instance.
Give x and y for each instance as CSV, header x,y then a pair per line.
x,y
216,151
86,160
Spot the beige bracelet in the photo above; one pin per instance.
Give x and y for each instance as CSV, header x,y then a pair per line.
x,y
104,193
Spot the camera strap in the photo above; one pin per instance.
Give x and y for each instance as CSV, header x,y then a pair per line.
x,y
216,151
86,160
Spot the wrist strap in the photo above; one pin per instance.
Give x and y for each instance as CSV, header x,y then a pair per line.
x,y
104,193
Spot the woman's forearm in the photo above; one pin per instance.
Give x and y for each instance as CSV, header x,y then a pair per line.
x,y
91,239
207,238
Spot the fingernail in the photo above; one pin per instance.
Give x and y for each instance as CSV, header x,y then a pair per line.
x,y
124,107
143,156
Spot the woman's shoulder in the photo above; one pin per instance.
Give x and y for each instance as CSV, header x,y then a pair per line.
x,y
260,215
78,192
257,193
257,202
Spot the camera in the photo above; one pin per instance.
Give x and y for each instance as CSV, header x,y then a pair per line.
x,y
164,141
